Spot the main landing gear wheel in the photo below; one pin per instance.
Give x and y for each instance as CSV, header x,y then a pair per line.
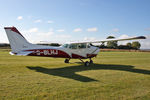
x,y
66,60
86,63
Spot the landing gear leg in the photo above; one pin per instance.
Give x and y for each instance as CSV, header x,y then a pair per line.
x,y
66,60
91,61
87,63
81,60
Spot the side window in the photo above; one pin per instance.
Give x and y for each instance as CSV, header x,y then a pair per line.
x,y
78,46
73,46
81,46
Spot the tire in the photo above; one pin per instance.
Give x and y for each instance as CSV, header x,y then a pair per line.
x,y
86,63
66,61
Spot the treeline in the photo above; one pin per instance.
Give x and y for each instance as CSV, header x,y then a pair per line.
x,y
114,45
4,45
49,44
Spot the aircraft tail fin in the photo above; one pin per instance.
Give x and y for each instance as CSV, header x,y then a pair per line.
x,y
16,40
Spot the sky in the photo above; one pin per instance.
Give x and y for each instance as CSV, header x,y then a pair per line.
x,y
76,20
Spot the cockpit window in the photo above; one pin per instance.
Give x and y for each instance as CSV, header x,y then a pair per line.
x,y
88,45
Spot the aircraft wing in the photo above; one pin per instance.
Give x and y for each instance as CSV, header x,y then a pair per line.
x,y
107,40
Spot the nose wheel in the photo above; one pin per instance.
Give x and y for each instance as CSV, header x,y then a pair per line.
x,y
87,63
91,61
66,60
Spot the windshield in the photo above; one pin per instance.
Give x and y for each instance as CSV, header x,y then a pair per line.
x,y
65,45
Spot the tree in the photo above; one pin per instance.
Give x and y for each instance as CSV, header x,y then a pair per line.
x,y
136,45
112,44
110,37
129,45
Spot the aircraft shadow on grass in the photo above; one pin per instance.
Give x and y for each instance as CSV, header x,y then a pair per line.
x,y
70,72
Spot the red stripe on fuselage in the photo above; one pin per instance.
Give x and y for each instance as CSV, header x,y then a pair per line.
x,y
57,53
75,56
49,53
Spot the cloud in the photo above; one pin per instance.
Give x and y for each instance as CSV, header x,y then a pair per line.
x,y
46,34
51,36
29,17
147,29
115,30
89,38
77,30
60,30
32,30
19,18
34,35
50,22
3,37
123,36
94,29
38,21
145,44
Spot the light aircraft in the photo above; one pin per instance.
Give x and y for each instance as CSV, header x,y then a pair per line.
x,y
73,50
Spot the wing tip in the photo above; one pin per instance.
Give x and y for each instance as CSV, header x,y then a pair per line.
x,y
141,37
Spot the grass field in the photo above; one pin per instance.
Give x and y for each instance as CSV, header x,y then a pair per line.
x,y
114,76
